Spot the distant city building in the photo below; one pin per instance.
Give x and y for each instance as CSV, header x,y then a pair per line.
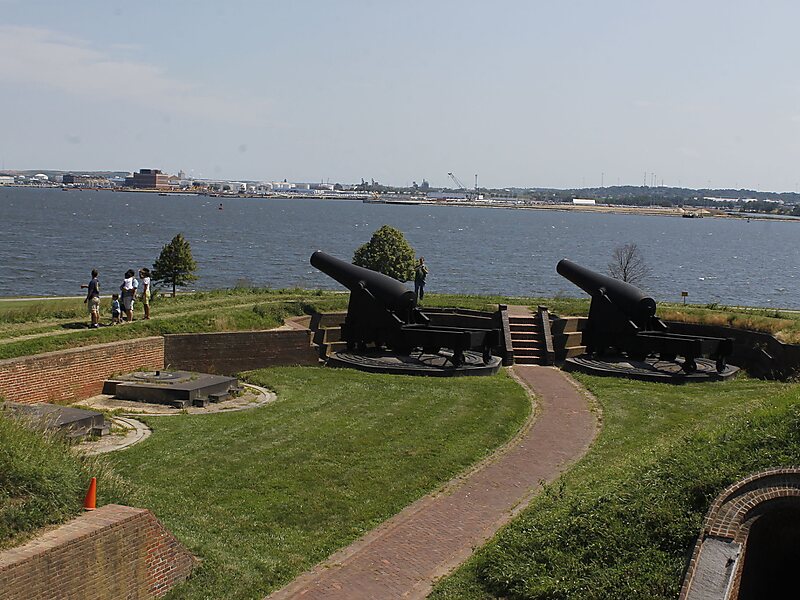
x,y
447,195
6,180
148,179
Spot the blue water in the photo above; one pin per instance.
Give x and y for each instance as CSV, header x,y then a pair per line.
x,y
50,240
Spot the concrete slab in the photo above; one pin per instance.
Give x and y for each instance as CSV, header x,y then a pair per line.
x,y
179,389
72,422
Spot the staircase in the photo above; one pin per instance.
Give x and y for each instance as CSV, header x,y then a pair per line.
x,y
568,337
327,333
527,339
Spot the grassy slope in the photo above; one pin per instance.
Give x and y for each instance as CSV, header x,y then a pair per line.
x,y
55,327
33,326
42,483
622,522
263,495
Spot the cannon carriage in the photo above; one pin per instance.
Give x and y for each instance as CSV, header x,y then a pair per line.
x,y
383,313
623,319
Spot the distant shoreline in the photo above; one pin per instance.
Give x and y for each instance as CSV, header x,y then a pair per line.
x,y
659,211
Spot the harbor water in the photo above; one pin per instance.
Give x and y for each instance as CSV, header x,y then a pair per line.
x,y
50,240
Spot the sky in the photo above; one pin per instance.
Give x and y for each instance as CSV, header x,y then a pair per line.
x,y
522,93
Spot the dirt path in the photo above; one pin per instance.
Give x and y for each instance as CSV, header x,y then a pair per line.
x,y
405,556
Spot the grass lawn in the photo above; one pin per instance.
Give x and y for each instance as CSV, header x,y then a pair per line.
x,y
262,495
622,522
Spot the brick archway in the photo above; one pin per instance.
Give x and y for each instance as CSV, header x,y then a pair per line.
x,y
715,568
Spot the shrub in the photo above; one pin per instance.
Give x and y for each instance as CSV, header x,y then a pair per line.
x,y
387,252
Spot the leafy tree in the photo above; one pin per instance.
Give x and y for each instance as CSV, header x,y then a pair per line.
x,y
175,264
628,264
387,252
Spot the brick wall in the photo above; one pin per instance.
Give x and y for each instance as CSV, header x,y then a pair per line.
x,y
113,553
76,373
711,574
228,353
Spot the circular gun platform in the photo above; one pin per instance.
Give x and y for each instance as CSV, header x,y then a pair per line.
x,y
650,369
432,365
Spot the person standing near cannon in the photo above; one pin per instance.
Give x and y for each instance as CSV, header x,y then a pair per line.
x,y
420,273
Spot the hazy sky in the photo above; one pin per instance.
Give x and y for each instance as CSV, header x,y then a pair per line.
x,y
523,93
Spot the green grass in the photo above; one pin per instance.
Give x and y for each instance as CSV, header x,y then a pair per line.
x,y
784,325
34,326
621,523
43,483
262,495
230,310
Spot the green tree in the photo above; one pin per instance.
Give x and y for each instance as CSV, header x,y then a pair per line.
x,y
175,264
387,252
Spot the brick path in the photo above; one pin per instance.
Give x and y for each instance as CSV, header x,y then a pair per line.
x,y
404,556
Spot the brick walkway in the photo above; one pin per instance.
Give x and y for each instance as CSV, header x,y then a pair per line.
x,y
403,557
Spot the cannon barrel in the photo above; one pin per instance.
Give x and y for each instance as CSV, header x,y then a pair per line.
x,y
388,291
626,297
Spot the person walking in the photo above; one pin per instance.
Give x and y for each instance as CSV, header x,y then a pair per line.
x,y
92,300
144,273
420,273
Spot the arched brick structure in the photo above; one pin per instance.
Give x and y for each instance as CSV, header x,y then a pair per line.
x,y
715,569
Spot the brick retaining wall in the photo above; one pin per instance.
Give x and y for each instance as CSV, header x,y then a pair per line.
x,y
227,353
75,373
112,553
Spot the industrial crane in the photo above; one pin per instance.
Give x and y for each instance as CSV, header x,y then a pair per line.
x,y
458,183
469,195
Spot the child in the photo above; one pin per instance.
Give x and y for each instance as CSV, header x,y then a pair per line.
x,y
116,311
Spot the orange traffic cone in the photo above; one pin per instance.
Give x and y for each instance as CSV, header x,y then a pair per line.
x,y
90,502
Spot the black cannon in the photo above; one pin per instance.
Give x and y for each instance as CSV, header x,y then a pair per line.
x,y
623,318
384,313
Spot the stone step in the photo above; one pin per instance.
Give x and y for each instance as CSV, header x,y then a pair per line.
x,y
325,350
528,346
568,325
527,360
525,335
527,353
522,320
327,335
525,329
569,352
332,319
564,340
